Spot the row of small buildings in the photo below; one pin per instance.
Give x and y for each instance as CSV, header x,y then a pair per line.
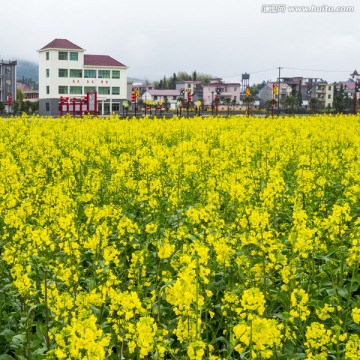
x,y
298,87
67,72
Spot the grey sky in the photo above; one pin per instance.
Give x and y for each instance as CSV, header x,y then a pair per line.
x,y
223,38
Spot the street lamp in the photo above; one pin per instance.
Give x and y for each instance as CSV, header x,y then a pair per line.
x,y
212,103
355,73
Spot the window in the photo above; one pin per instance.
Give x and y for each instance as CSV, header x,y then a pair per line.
x,y
235,88
63,90
75,73
63,55
47,56
47,106
74,56
47,72
75,90
189,86
155,97
329,88
115,74
90,74
47,89
104,74
115,91
115,107
102,90
89,89
329,96
63,73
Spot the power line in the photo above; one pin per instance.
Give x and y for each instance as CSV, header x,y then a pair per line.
x,y
289,68
333,71
250,73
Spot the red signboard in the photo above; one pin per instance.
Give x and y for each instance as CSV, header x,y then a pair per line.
x,y
80,107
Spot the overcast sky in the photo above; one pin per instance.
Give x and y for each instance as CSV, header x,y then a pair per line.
x,y
224,38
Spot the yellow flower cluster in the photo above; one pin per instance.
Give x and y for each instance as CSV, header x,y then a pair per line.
x,y
204,238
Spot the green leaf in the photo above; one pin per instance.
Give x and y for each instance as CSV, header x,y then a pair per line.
x,y
355,327
222,339
40,351
8,334
344,293
40,331
6,357
17,341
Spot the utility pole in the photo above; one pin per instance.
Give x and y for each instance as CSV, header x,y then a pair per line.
x,y
279,92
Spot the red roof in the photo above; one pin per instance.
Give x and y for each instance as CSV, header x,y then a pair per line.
x,y
101,60
61,44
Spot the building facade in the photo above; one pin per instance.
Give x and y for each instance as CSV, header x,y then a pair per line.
x,y
228,91
187,85
7,80
266,93
164,95
142,87
66,71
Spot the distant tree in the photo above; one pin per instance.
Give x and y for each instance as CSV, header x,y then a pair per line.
x,y
166,103
27,107
15,107
183,76
255,88
203,78
248,101
165,83
227,102
2,107
19,95
173,81
339,99
269,103
18,105
290,103
34,106
314,103
299,100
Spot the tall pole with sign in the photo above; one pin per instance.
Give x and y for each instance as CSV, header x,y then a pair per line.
x,y
218,92
309,91
356,88
9,101
275,91
279,88
247,93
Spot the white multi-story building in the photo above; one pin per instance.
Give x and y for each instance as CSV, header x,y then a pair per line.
x,y
65,70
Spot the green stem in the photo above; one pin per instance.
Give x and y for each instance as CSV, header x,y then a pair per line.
x,y
47,340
